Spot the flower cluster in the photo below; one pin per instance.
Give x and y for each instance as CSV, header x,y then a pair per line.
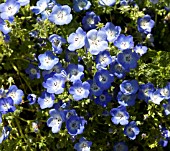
x,y
82,72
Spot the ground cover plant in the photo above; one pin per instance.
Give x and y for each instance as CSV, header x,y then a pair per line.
x,y
84,75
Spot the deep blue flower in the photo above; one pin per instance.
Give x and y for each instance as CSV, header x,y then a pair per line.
x,y
75,72
139,49
96,41
126,100
56,120
145,24
119,115
90,21
32,98
57,42
55,83
9,9
75,125
131,130
111,31
103,99
47,60
144,89
83,145
33,71
124,42
103,79
6,105
15,93
69,113
3,27
41,5
103,59
60,15
77,39
79,90
163,143
128,59
94,88
120,146
46,100
107,2
79,5
129,86
117,69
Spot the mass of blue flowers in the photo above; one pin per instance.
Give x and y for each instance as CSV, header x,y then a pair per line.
x,y
84,75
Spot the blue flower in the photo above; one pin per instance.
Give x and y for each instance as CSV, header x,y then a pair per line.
x,y
125,2
56,69
69,113
75,125
104,79
111,31
96,41
9,9
131,130
56,120
166,108
83,145
129,86
156,97
35,126
32,98
55,83
79,5
79,90
76,40
120,146
57,42
119,115
3,27
5,133
46,100
90,21
15,93
165,92
139,49
154,1
145,24
117,69
47,60
103,99
107,2
41,6
124,42
60,15
128,59
75,72
94,88
6,105
144,90
33,71
126,100
23,2
103,59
